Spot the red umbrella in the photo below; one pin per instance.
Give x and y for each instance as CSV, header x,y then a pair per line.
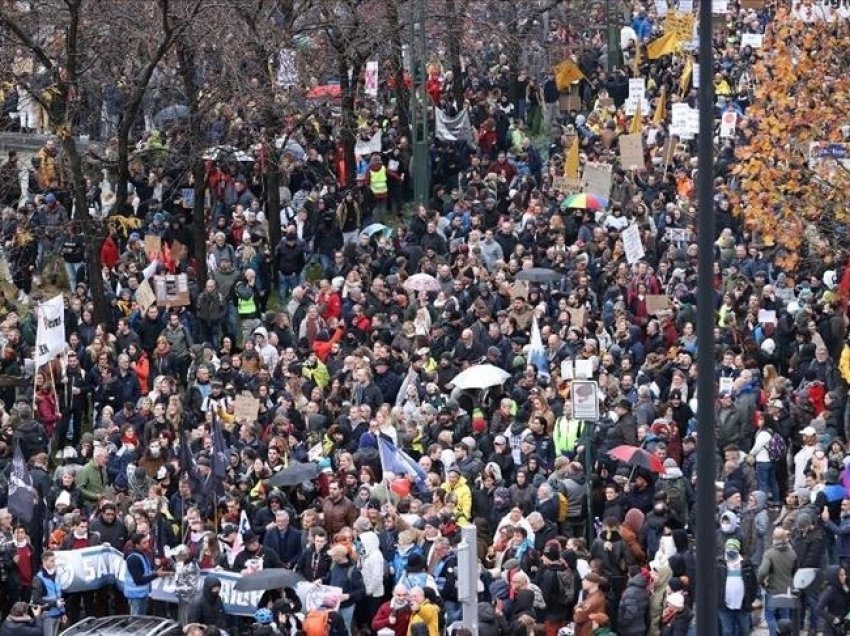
x,y
637,458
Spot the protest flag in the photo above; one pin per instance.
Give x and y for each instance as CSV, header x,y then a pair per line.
x,y
566,73
636,128
665,45
660,108
687,73
536,352
396,461
22,494
572,162
219,458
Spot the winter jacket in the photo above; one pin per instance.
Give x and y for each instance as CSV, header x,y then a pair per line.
x,y
348,577
776,570
634,606
372,565
833,603
464,499
208,608
489,623
755,525
558,608
810,549
748,574
287,544
26,627
593,604
842,537
402,619
680,624
210,307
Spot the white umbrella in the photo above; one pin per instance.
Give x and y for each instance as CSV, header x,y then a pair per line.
x,y
480,376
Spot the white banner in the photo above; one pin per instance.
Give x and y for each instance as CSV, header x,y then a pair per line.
x,y
371,78
728,123
50,339
369,146
456,128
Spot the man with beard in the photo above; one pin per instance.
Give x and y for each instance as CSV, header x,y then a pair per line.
x,y
394,614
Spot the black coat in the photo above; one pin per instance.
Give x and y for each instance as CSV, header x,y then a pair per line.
x,y
632,615
748,573
207,608
834,601
22,628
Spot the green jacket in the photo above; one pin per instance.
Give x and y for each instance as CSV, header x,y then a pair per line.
x,y
91,481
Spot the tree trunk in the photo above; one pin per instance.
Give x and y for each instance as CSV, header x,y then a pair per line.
x,y
273,197
454,34
94,231
348,89
188,73
396,60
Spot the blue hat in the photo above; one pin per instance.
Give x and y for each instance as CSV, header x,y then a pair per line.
x,y
159,217
50,198
367,440
135,236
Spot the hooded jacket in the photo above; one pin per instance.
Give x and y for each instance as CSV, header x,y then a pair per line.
x,y
489,624
208,608
464,499
755,525
372,565
776,570
841,531
833,602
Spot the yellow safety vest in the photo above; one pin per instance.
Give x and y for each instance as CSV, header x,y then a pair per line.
x,y
246,306
378,181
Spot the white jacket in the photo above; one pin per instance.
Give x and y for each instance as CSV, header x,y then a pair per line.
x,y
372,565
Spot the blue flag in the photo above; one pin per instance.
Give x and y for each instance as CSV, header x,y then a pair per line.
x,y
536,352
21,491
397,461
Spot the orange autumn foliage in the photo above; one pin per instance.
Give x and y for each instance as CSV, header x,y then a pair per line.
x,y
802,96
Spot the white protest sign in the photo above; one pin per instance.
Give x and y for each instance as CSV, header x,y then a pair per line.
x,y
686,6
661,8
585,398
719,7
50,337
371,78
726,384
584,369
728,123
753,40
287,71
767,316
637,95
695,75
596,178
632,244
364,147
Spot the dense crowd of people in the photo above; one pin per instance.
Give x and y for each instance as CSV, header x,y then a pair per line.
x,y
346,339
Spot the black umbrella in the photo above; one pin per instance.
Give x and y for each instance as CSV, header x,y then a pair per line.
x,y
539,275
271,579
294,474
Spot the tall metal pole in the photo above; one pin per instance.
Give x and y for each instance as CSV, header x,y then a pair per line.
x,y
706,554
612,38
467,576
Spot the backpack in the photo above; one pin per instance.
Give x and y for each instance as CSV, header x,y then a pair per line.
x,y
777,449
316,623
566,585
676,496
563,507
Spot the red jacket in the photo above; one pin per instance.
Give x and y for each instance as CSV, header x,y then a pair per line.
x,y
382,619
109,253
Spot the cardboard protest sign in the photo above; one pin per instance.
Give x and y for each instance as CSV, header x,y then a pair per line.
x,y
656,303
153,244
753,40
172,290
246,408
596,178
578,315
631,151
632,244
680,24
145,295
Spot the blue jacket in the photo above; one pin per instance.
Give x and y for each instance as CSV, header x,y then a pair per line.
x,y
287,544
138,576
349,578
47,591
842,536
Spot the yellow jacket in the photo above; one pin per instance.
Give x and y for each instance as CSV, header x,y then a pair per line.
x,y
427,613
844,363
463,493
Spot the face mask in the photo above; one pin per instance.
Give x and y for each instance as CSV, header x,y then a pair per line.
x,y
155,451
726,527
